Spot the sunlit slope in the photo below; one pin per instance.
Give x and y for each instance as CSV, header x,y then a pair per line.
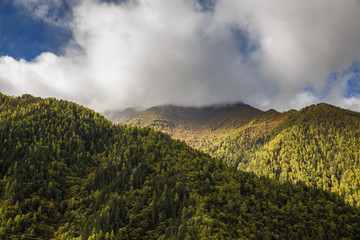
x,y
318,145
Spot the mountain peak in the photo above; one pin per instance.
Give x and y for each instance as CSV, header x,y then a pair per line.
x,y
237,113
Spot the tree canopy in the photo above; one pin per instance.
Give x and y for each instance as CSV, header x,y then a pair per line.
x,y
68,173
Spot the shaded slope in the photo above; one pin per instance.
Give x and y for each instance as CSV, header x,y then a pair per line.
x,y
47,150
67,173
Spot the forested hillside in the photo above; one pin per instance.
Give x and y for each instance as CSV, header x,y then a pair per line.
x,y
68,173
318,145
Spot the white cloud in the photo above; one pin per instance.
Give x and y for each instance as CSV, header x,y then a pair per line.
x,y
303,99
349,103
301,42
149,52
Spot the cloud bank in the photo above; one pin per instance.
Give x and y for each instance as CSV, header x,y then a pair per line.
x,y
280,54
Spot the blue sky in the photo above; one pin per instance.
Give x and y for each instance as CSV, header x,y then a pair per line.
x,y
117,54
23,36
353,83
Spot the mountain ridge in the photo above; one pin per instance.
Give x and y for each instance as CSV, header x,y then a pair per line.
x,y
258,141
177,120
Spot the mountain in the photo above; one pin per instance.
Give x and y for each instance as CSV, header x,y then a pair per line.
x,y
68,173
318,145
192,124
121,117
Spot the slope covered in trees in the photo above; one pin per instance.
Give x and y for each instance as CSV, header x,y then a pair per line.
x,y
318,145
68,173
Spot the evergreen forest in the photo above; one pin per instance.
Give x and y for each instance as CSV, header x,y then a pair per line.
x,y
67,172
318,145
